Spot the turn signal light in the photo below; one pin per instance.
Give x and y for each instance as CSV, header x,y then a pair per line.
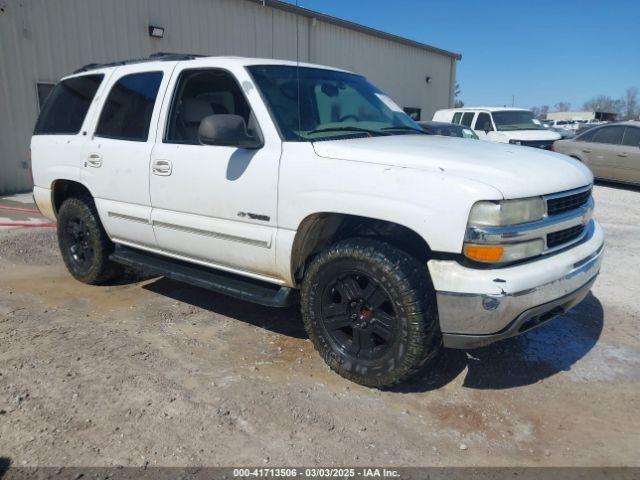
x,y
484,253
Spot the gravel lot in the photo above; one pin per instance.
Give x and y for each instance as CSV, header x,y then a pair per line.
x,y
150,371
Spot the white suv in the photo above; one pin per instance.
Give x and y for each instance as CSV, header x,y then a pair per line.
x,y
504,125
268,180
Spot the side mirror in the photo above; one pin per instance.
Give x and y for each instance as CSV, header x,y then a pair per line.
x,y
226,130
487,127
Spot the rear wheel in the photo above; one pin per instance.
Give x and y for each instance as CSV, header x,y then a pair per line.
x,y
368,308
84,245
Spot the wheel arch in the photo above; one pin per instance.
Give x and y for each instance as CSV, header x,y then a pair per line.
x,y
61,189
319,230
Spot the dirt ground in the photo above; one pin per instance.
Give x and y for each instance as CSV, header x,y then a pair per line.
x,y
153,372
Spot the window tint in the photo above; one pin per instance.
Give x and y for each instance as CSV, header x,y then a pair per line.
x,y
631,137
200,93
456,117
467,118
483,122
127,111
612,135
67,105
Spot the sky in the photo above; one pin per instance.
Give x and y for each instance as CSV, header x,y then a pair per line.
x,y
539,51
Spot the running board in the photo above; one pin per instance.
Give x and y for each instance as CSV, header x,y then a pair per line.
x,y
244,288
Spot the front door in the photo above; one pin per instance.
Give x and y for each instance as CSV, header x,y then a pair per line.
x,y
214,205
483,125
117,154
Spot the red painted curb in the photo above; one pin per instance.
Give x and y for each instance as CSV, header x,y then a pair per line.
x,y
16,209
26,224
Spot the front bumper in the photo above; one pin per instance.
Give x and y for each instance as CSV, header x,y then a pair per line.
x,y
477,307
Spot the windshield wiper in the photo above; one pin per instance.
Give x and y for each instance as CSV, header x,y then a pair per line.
x,y
348,129
406,128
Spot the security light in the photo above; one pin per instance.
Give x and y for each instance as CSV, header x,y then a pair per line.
x,y
156,32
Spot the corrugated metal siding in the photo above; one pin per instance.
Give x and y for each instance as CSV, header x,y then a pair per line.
x,y
43,40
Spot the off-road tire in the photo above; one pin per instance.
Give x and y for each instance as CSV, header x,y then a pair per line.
x,y
416,338
79,213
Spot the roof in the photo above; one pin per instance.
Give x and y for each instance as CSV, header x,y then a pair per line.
x,y
305,12
196,60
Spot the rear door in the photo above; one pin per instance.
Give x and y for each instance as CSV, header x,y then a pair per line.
x,y
603,152
117,154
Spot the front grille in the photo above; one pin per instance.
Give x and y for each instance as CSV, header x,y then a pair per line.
x,y
556,206
564,236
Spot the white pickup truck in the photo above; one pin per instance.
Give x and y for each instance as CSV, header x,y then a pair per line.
x,y
276,182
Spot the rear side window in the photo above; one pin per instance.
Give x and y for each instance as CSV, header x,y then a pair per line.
x,y
67,105
631,137
456,117
467,118
611,135
127,111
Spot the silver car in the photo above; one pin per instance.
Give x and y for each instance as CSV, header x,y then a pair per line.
x,y
611,151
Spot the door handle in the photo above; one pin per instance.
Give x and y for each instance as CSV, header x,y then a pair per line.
x,y
94,160
624,154
587,150
161,167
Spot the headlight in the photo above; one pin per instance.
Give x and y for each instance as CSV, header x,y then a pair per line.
x,y
505,253
515,142
507,212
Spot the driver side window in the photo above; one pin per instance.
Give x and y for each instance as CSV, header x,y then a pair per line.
x,y
483,122
200,93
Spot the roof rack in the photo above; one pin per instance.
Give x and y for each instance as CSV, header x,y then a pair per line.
x,y
154,57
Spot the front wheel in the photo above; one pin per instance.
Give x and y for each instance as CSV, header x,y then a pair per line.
x,y
369,310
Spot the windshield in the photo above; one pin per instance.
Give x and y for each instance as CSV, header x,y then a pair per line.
x,y
332,104
507,120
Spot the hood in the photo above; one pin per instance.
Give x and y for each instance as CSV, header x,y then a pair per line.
x,y
531,134
515,171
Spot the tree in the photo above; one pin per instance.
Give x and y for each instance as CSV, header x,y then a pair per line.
x,y
562,106
540,112
631,111
544,109
604,103
458,103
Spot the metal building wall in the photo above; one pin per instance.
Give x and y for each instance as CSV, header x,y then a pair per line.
x,y
43,40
